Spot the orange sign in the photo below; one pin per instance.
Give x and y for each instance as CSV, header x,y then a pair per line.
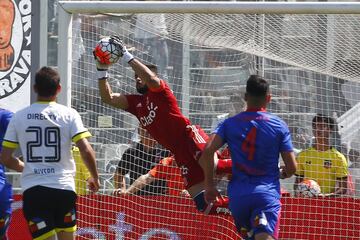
x,y
15,53
7,17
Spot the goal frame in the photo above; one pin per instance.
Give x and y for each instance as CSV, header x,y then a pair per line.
x,y
67,8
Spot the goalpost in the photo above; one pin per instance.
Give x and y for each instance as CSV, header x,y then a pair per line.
x,y
309,52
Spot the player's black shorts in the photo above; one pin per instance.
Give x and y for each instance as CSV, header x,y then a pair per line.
x,y
49,210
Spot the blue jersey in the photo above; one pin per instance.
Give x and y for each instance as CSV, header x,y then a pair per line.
x,y
5,116
5,187
255,139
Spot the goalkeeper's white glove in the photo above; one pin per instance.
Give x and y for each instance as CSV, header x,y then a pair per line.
x,y
102,69
124,52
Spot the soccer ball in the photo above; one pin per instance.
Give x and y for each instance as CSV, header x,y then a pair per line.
x,y
107,52
308,188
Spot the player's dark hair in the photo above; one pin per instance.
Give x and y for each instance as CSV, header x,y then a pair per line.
x,y
325,119
47,81
257,86
152,67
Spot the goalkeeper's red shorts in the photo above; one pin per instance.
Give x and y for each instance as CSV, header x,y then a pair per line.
x,y
189,152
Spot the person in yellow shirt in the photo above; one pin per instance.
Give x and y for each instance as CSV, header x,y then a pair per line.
x,y
322,162
82,173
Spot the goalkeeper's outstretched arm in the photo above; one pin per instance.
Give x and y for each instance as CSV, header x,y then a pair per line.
x,y
147,76
143,75
107,96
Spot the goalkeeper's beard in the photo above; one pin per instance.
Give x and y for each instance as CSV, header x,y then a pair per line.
x,y
142,89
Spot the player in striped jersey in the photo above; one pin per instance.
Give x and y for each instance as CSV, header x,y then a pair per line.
x,y
255,138
44,131
158,112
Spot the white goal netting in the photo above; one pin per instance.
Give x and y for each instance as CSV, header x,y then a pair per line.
x,y
312,64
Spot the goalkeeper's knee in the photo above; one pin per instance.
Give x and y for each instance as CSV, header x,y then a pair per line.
x,y
220,206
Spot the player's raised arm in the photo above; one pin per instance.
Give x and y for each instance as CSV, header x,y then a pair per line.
x,y
102,65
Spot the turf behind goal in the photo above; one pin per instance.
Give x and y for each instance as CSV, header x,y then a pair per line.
x,y
206,51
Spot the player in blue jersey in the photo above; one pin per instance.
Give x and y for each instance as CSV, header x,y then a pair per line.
x,y
5,187
255,138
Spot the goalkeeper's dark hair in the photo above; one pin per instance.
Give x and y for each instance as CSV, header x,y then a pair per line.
x,y
152,67
325,119
47,81
257,86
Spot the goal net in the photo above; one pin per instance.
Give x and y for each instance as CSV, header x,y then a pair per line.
x,y
310,60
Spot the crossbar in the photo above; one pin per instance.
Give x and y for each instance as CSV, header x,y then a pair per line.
x,y
211,7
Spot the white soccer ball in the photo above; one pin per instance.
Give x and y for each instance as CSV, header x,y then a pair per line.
x,y
107,52
308,188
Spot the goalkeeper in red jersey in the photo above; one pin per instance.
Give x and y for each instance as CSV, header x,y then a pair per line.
x,y
158,112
